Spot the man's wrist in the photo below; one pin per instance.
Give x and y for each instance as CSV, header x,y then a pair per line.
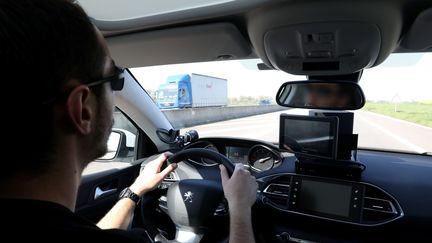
x,y
127,193
240,211
137,191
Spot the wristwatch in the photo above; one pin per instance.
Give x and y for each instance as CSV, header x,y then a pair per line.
x,y
127,193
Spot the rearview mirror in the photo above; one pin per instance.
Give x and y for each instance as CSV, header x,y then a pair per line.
x,y
330,95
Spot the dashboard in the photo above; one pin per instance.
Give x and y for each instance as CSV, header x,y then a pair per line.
x,y
258,156
333,199
391,198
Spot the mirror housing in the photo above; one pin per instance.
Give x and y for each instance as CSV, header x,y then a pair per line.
x,y
120,146
328,95
113,145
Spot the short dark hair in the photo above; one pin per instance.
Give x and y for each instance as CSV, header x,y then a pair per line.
x,y
43,45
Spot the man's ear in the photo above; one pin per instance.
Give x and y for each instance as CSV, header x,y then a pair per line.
x,y
79,109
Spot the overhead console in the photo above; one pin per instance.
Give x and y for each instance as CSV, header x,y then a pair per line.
x,y
325,37
323,48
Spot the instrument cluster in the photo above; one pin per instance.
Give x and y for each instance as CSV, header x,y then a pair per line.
x,y
258,157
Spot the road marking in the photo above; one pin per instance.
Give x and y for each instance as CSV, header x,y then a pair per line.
x,y
396,137
395,119
265,128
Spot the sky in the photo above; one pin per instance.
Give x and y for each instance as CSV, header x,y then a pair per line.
x,y
402,77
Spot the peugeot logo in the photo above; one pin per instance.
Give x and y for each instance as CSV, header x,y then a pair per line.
x,y
188,196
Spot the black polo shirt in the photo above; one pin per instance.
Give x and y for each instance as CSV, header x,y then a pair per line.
x,y
41,221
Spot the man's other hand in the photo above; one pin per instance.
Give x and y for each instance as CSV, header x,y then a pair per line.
x,y
240,190
152,175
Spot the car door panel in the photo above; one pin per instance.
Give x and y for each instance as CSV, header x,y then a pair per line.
x,y
98,192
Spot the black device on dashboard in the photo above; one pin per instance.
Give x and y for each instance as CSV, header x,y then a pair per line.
x,y
309,136
336,200
347,141
314,141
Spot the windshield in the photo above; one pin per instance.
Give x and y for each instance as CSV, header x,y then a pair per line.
x,y
397,115
166,94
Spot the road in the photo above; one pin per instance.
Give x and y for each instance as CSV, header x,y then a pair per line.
x,y
375,131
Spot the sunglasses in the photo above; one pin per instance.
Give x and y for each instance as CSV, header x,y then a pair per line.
x,y
116,81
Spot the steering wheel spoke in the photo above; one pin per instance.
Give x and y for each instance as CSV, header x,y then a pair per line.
x,y
181,236
192,203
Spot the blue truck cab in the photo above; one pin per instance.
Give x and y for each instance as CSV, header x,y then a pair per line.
x,y
175,93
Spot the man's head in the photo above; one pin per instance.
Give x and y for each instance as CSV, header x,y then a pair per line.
x,y
49,51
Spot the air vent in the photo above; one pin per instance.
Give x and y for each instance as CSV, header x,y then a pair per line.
x,y
276,201
277,195
379,207
171,177
277,190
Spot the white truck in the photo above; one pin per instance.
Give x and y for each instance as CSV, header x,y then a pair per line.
x,y
192,90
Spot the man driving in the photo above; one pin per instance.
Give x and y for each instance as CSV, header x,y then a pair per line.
x,y
62,80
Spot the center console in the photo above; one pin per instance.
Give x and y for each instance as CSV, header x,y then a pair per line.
x,y
336,200
330,199
327,183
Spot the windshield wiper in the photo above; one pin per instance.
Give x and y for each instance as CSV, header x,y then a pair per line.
x,y
427,153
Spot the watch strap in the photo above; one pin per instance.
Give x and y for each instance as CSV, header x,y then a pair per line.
x,y
128,193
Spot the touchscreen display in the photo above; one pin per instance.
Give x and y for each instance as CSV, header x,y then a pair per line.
x,y
327,198
309,135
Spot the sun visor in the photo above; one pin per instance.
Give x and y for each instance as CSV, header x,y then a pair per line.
x,y
323,48
198,43
419,36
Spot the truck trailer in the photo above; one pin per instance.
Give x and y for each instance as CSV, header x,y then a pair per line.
x,y
192,90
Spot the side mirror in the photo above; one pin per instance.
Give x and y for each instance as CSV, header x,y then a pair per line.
x,y
121,145
330,95
113,145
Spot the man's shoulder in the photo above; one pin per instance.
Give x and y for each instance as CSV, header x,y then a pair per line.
x,y
82,234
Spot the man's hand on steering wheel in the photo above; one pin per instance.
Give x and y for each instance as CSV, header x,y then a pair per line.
x,y
240,190
191,203
152,175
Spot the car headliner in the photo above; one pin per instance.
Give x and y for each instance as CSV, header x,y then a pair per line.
x,y
152,36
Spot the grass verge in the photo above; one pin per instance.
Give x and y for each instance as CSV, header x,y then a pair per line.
x,y
417,112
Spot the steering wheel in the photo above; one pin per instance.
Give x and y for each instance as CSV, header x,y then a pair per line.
x,y
192,202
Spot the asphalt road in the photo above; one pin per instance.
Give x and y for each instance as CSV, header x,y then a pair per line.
x,y
375,131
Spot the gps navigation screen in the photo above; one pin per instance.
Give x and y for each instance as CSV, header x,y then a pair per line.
x,y
315,136
325,198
